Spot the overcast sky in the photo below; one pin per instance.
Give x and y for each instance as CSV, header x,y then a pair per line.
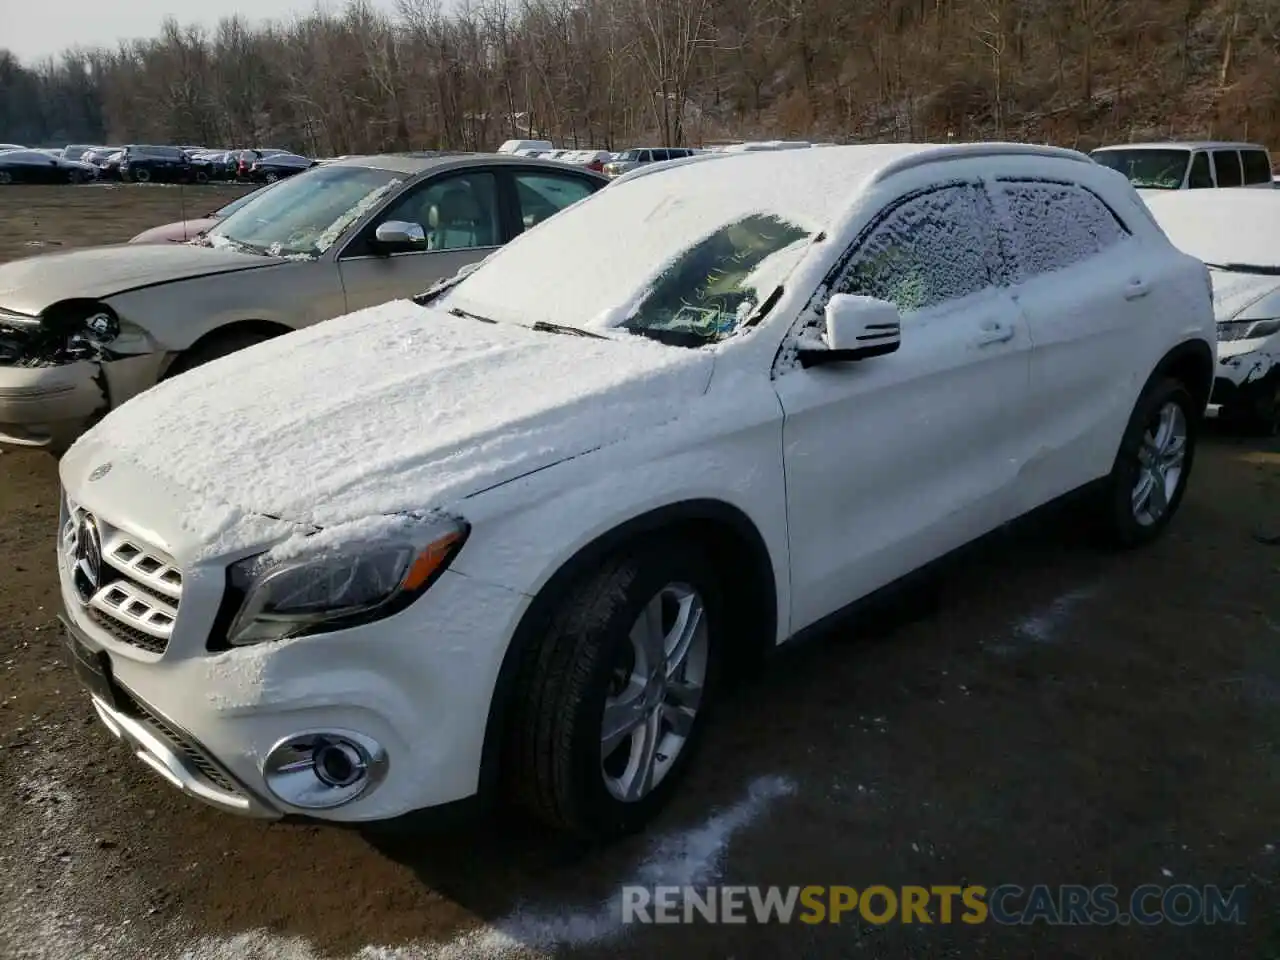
x,y
33,29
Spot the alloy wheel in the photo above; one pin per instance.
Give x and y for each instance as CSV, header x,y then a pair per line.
x,y
1161,458
655,693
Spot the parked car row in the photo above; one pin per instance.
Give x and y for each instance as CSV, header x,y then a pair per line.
x,y
146,163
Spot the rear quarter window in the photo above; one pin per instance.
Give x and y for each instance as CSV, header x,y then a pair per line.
x,y
1226,163
1257,166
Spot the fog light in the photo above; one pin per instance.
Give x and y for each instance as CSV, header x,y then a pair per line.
x,y
319,770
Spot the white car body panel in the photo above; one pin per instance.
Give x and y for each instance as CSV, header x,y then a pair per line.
x,y
851,474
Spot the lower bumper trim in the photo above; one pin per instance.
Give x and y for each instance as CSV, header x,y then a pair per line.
x,y
153,749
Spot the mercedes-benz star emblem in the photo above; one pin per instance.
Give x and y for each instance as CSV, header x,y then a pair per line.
x,y
87,553
100,472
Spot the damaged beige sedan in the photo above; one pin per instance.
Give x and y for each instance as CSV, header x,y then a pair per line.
x,y
83,331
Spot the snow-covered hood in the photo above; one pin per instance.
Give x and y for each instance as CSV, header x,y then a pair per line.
x,y
1235,293
31,285
393,408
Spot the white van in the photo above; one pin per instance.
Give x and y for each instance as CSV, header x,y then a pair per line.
x,y
515,146
1189,166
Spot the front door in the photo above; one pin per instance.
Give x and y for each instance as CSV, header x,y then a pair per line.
x,y
894,461
461,216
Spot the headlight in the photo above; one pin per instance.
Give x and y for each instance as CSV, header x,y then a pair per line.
x,y
331,584
1247,329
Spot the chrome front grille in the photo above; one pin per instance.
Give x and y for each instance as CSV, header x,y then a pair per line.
x,y
130,589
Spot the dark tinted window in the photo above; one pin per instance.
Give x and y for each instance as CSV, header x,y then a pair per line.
x,y
1257,166
1227,165
1200,176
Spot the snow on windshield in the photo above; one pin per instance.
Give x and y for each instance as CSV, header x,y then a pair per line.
x,y
1222,226
593,264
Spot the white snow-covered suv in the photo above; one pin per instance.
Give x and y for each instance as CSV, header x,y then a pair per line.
x,y
508,535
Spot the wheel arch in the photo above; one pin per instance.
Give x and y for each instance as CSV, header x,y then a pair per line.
x,y
1192,363
734,542
266,328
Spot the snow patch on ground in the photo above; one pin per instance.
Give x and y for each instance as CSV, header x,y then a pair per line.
x,y
38,915
43,924
1044,624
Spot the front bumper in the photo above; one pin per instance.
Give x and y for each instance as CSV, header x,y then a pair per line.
x,y
418,684
49,406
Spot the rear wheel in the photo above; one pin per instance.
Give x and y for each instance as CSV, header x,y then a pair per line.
x,y
611,704
1149,478
6,177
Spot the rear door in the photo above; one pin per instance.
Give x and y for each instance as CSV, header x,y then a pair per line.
x,y
461,214
1088,288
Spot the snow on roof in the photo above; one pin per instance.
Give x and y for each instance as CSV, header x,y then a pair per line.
x,y
1221,226
1184,145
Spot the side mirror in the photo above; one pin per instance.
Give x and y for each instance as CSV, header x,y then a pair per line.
x,y
400,233
857,328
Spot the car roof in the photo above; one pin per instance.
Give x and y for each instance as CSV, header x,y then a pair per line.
x,y
413,164
1185,145
848,166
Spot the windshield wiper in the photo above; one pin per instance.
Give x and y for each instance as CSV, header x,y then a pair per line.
x,y
543,327
459,312
1271,271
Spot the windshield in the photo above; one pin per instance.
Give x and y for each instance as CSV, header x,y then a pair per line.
x,y
306,214
695,268
223,212
1147,169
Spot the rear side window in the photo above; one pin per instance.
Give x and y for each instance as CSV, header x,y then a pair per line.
x,y
1201,177
924,250
1052,226
1257,166
1227,165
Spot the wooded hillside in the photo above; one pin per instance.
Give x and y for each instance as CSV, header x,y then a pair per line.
x,y
619,72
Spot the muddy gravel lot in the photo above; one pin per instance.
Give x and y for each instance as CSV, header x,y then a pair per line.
x,y
1045,713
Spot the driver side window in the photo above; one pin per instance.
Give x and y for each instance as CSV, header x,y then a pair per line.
x,y
926,249
456,212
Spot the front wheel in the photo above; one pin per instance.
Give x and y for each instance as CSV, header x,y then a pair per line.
x,y
6,177
611,704
1149,478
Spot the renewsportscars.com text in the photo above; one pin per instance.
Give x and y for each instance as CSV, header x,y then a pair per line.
x,y
1007,904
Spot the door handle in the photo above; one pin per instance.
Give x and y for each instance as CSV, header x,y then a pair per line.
x,y
994,332
1137,288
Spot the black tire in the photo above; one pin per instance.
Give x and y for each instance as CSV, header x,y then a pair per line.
x,y
554,767
1256,411
6,177
140,176
1120,526
215,347
202,177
